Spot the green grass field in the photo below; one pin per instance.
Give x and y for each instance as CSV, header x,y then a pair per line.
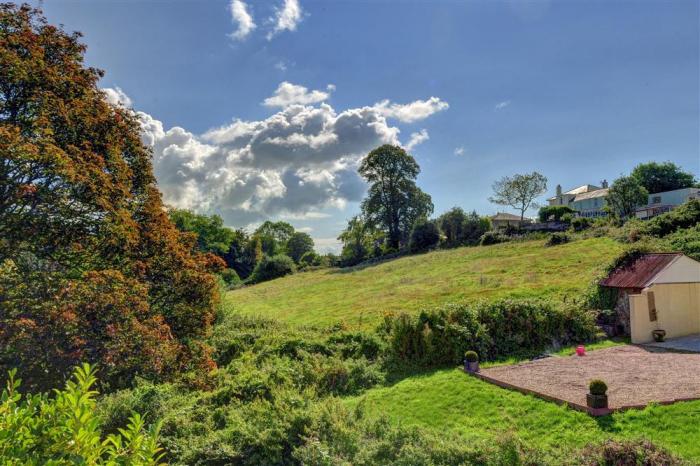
x,y
359,296
450,400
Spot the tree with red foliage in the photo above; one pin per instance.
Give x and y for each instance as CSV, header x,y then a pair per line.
x,y
91,267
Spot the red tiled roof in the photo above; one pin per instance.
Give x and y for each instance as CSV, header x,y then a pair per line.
x,y
638,273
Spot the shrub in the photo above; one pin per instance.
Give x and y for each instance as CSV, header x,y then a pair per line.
x,y
597,387
424,235
311,259
567,218
471,356
686,241
64,429
581,223
492,237
684,216
230,277
554,212
272,267
556,239
627,452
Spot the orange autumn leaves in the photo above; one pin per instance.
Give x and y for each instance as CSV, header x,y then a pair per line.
x,y
91,268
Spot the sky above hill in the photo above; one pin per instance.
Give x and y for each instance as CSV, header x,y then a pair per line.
x,y
261,109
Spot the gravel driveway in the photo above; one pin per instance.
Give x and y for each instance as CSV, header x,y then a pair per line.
x,y
635,376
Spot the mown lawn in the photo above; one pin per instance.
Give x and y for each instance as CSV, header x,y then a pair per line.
x,y
450,400
359,296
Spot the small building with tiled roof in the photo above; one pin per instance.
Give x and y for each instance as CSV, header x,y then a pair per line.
x,y
503,220
657,291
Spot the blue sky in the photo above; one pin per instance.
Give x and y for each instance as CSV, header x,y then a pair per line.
x,y
579,91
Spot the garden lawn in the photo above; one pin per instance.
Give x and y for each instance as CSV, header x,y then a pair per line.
x,y
359,296
451,400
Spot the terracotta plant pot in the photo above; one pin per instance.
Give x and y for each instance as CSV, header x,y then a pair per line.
x,y
659,335
471,366
597,401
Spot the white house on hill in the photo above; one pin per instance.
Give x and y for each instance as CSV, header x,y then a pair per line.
x,y
589,200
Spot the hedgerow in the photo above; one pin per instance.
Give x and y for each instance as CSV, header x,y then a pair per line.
x,y
495,330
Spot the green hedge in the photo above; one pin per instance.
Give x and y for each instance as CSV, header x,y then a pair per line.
x,y
495,330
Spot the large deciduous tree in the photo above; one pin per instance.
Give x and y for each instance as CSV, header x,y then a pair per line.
x,y
274,236
393,202
519,191
299,244
91,267
625,196
659,177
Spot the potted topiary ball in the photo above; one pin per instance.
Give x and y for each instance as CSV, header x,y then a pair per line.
x,y
471,361
659,335
597,397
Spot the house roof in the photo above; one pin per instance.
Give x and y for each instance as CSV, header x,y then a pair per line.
x,y
583,189
592,194
505,216
578,191
641,272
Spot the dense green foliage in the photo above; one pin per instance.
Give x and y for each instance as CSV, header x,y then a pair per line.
x,y
212,235
298,244
64,429
556,239
262,404
274,236
425,235
580,223
394,202
272,267
677,230
461,229
685,216
659,177
494,330
493,237
624,196
91,268
554,212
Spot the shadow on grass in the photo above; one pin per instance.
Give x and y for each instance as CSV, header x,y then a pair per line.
x,y
607,424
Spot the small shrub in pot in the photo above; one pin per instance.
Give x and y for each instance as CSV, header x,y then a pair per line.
x,y
597,398
471,361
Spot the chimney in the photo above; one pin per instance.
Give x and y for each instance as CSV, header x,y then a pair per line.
x,y
604,184
558,190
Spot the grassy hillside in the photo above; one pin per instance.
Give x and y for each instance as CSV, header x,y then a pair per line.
x,y
360,295
450,400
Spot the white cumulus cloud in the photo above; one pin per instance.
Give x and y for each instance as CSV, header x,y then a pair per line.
x,y
242,18
116,96
288,94
417,138
286,18
414,111
296,163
